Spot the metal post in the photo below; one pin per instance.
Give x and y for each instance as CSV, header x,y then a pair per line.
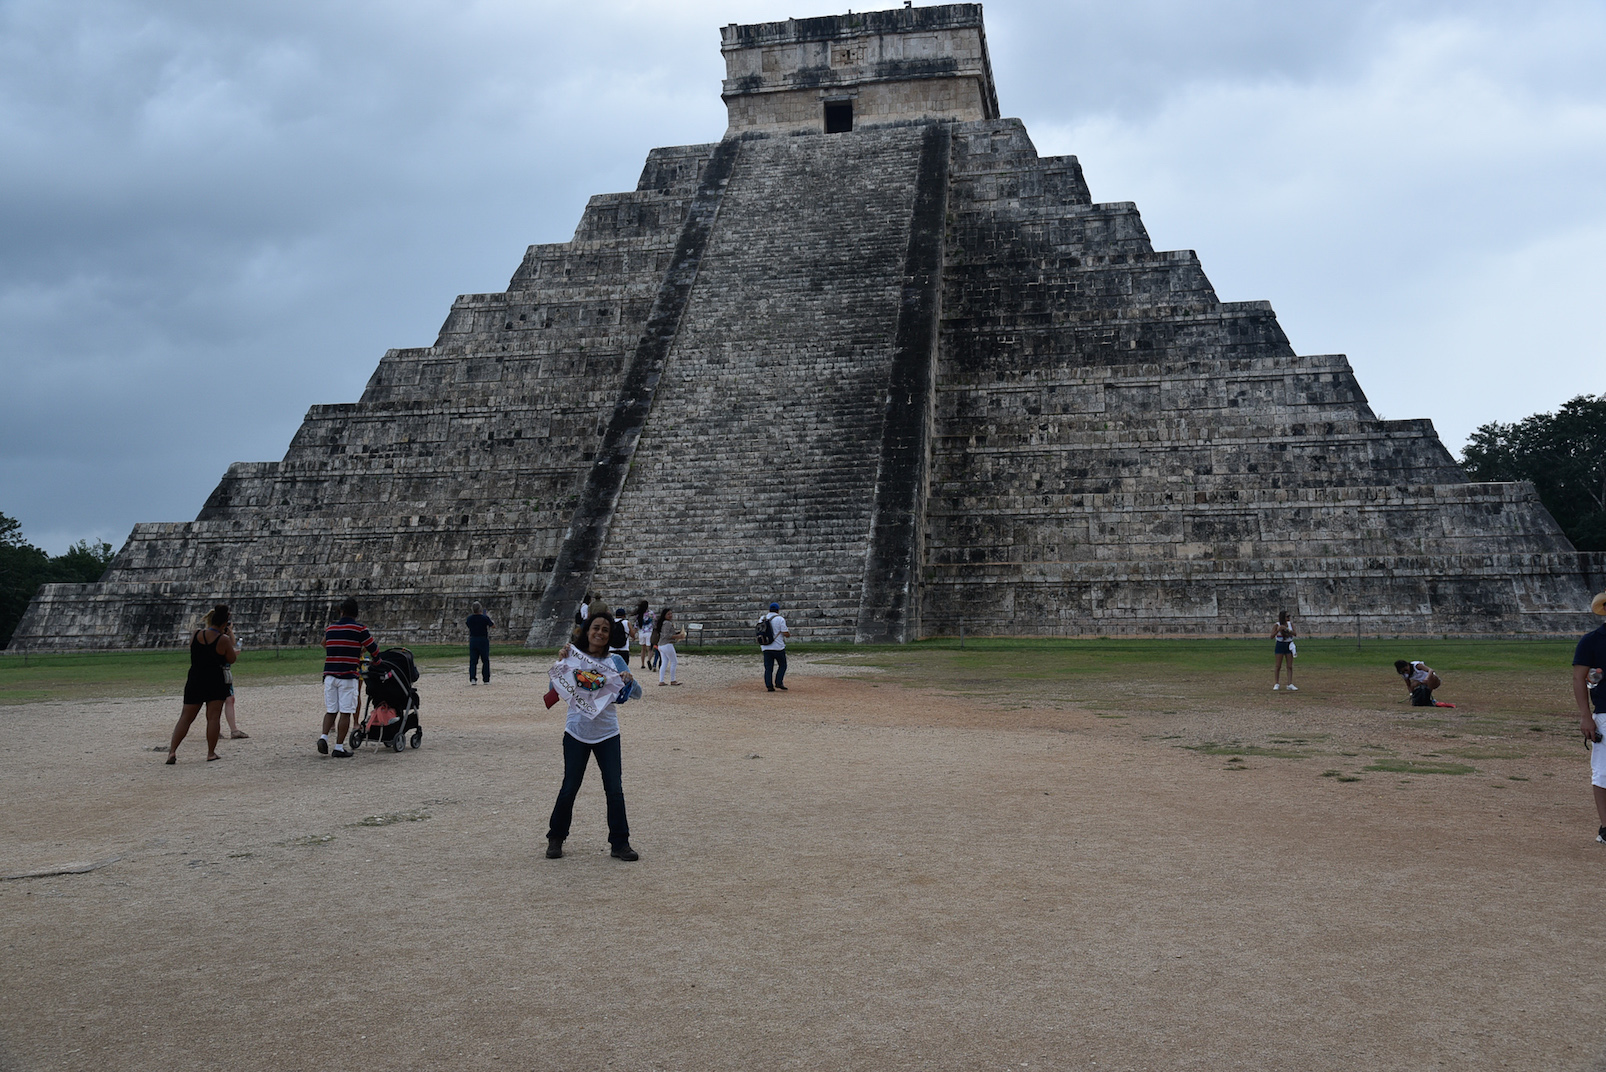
x,y
961,634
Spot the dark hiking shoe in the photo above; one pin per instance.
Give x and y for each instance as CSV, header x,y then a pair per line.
x,y
554,848
323,746
625,852
783,688
1601,837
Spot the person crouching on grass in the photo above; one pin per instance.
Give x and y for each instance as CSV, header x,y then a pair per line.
x,y
589,731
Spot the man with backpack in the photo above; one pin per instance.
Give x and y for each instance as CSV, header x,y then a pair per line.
x,y
772,634
619,636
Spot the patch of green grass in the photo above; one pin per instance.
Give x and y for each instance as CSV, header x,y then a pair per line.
x,y
111,674
310,841
1212,748
1414,766
1487,753
1348,778
1332,774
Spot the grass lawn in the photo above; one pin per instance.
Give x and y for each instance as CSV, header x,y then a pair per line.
x,y
1512,679
92,675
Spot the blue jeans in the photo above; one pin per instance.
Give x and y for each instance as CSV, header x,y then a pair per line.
x,y
774,664
576,754
479,648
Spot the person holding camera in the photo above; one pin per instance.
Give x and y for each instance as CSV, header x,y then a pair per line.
x,y
1589,665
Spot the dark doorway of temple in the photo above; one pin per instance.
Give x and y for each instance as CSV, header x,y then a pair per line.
x,y
838,117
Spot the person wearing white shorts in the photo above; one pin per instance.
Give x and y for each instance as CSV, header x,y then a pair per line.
x,y
344,644
1589,692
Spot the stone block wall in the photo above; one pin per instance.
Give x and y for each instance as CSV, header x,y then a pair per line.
x,y
901,379
901,65
453,478
1117,451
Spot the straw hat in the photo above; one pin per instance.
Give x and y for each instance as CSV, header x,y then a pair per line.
x,y
1598,604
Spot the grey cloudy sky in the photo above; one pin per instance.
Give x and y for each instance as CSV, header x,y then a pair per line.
x,y
215,215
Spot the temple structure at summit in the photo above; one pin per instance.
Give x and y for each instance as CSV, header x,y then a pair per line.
x,y
870,355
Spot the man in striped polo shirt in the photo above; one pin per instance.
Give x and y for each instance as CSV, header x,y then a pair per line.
x,y
343,645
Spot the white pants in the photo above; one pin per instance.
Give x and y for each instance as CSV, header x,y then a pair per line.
x,y
667,653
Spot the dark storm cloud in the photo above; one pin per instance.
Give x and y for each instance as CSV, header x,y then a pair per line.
x,y
214,215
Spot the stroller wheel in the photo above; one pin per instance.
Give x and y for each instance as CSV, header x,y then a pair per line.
x,y
398,743
357,738
418,738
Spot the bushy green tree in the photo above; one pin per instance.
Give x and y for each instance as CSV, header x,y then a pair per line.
x,y
24,567
1563,453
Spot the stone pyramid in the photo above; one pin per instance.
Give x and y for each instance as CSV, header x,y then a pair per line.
x,y
869,355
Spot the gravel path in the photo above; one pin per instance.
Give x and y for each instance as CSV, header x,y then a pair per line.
x,y
851,875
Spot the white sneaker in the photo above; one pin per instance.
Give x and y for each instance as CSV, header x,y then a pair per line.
x,y
1292,687
1274,688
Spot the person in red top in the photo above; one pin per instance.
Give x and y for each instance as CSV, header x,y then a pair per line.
x,y
343,644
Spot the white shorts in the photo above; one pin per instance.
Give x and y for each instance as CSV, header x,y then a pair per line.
x,y
340,695
1597,755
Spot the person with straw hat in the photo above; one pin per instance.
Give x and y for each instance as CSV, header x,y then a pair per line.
x,y
1589,666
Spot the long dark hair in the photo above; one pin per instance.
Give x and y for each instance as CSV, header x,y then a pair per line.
x,y
658,624
582,633
641,612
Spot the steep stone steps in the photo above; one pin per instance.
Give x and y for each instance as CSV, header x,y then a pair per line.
x,y
762,446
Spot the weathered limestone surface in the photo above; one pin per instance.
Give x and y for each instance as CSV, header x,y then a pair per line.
x,y
452,479
901,378
757,470
1118,451
907,64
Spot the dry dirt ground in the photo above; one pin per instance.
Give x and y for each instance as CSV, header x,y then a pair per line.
x,y
856,874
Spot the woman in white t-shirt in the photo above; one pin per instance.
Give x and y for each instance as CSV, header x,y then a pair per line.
x,y
586,734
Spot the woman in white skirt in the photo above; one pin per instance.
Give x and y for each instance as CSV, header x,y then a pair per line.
x,y
665,633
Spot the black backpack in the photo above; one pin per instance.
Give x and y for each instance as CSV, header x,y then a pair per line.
x,y
765,631
617,637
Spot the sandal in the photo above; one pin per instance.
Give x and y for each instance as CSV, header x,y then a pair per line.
x,y
171,759
237,735
213,756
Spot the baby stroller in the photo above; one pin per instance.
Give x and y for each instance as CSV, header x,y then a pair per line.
x,y
391,710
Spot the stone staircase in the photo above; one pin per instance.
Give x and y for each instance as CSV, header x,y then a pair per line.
x,y
754,478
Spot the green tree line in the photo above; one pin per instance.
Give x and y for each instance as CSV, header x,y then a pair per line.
x,y
1563,453
24,567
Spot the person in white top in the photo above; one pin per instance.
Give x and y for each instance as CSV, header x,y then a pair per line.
x,y
1282,635
775,650
666,634
587,733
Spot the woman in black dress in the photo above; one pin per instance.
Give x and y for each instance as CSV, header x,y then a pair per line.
x,y
211,651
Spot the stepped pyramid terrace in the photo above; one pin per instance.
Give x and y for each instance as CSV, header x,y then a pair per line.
x,y
871,355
